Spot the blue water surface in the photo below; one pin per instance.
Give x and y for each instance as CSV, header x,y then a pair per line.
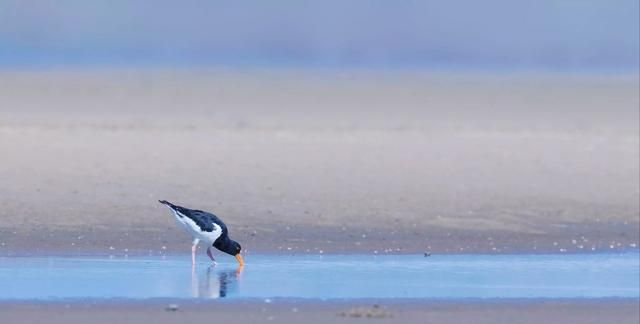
x,y
324,276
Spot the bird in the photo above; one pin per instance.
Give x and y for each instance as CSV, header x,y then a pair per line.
x,y
206,227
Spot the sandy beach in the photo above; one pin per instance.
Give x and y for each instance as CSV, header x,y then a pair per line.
x,y
298,162
373,161
301,162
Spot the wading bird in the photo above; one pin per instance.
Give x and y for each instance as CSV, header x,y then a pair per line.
x,y
208,228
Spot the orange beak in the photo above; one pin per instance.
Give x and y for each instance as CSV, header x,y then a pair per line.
x,y
240,260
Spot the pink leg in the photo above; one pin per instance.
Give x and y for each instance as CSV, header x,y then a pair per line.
x,y
193,251
211,255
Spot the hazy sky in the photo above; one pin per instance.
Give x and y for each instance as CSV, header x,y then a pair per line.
x,y
490,34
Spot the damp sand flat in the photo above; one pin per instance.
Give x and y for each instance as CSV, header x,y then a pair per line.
x,y
583,311
325,277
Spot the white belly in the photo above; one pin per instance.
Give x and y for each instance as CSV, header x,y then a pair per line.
x,y
192,228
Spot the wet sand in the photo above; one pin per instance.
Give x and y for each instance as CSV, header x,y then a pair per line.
x,y
310,311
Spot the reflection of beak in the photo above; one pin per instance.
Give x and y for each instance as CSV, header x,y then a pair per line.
x,y
240,260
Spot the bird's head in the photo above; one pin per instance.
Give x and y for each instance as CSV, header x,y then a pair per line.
x,y
234,248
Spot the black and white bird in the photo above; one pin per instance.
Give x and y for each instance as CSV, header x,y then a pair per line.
x,y
205,227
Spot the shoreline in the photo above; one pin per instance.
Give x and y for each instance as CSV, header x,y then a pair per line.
x,y
126,240
312,301
141,254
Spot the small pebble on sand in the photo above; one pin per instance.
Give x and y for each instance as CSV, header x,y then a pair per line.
x,y
371,312
171,308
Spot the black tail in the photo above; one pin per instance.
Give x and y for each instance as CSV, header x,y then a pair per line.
x,y
164,202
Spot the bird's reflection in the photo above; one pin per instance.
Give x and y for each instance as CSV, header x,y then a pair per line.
x,y
214,284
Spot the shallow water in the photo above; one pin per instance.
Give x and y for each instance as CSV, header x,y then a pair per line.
x,y
328,276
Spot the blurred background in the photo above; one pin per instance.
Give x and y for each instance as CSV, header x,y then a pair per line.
x,y
590,35
506,117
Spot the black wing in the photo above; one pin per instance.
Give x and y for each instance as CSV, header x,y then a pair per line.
x,y
203,219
